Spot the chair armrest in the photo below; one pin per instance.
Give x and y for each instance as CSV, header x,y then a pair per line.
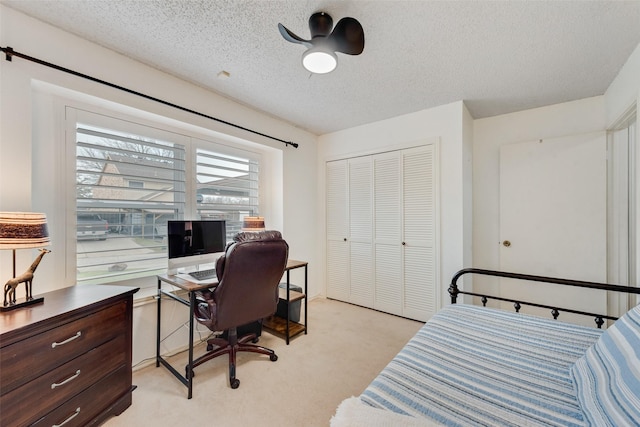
x,y
205,307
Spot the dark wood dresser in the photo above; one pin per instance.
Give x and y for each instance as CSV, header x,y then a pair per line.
x,y
67,361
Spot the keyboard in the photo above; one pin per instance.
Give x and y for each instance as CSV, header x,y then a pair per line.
x,y
203,274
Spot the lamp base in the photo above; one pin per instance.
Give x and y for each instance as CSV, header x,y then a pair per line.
x,y
21,302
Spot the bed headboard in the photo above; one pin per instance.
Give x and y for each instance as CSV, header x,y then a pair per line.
x,y
454,291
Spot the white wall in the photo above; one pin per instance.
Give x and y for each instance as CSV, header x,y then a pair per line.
x,y
444,123
22,84
581,116
625,88
571,118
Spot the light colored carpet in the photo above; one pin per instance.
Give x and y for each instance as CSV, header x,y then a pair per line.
x,y
344,350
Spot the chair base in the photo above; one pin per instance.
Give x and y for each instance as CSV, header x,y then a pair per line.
x,y
218,346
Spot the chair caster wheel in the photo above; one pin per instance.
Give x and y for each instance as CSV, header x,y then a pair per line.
x,y
273,357
235,383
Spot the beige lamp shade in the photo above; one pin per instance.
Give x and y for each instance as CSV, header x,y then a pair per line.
x,y
253,223
23,230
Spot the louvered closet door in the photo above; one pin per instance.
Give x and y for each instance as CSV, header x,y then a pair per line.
x,y
385,206
338,270
360,221
388,232
419,234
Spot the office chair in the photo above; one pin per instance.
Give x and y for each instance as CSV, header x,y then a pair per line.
x,y
248,276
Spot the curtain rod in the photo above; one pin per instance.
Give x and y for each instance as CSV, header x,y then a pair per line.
x,y
9,52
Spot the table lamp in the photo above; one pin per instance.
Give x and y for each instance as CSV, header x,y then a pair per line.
x,y
253,223
22,230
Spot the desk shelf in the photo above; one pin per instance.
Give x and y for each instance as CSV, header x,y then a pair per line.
x,y
284,326
278,325
293,295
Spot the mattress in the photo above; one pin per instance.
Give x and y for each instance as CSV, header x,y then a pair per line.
x,y
476,366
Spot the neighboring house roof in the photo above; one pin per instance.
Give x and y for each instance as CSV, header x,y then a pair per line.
x,y
140,167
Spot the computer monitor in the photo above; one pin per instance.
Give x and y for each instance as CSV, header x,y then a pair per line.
x,y
194,242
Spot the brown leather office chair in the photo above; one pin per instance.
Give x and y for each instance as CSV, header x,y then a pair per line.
x,y
248,276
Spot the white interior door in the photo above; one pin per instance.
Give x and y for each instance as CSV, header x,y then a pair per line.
x,y
389,277
338,270
360,231
421,291
553,214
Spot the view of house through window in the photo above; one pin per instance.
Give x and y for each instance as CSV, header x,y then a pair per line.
x,y
227,188
129,185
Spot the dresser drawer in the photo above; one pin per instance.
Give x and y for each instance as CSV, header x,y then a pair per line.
x,y
43,394
23,361
85,407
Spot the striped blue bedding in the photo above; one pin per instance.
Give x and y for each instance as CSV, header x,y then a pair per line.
x,y
476,366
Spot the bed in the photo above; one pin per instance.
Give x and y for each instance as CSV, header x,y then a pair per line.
x,y
471,365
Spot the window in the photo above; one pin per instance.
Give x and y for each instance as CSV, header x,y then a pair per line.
x,y
227,188
131,179
127,187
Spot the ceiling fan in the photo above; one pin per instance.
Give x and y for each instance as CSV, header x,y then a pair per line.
x,y
320,57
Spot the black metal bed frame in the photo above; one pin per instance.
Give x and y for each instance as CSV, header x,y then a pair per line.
x,y
555,311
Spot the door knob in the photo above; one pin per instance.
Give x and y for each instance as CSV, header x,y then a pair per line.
x,y
506,243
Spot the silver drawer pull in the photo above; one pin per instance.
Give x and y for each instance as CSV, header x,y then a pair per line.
x,y
76,336
71,378
72,416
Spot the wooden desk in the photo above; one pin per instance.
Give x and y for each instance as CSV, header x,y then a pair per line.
x,y
191,288
282,326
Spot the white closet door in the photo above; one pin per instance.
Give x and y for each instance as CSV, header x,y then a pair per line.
x,y
381,232
389,275
338,271
360,221
419,242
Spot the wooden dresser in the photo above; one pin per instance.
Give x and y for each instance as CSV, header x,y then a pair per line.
x,y
67,361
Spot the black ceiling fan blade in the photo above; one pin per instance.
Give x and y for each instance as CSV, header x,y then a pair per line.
x,y
291,37
348,37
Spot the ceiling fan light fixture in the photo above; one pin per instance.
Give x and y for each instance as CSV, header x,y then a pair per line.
x,y
319,61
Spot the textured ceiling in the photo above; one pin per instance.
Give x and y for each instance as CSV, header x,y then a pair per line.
x,y
498,57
